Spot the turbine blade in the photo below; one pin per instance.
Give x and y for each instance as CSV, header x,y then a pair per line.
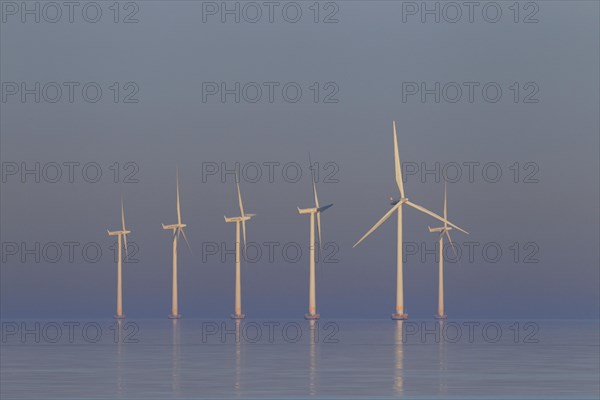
x,y
434,215
240,198
312,178
186,240
319,228
178,206
456,227
244,233
424,210
122,214
315,193
381,221
445,209
125,240
123,225
321,209
449,238
451,244
397,164
241,204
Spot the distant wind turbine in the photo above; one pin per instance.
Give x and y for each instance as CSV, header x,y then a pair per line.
x,y
121,237
443,230
237,312
316,210
177,229
399,313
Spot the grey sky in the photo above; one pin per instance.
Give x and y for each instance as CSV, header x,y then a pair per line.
x,y
368,55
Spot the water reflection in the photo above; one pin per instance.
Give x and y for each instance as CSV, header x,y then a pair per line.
x,y
176,357
173,362
312,358
238,357
399,355
119,338
442,360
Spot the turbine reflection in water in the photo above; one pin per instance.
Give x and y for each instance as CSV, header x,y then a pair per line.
x,y
442,362
176,357
312,360
399,355
158,367
238,356
119,335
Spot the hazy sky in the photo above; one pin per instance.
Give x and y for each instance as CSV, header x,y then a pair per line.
x,y
361,61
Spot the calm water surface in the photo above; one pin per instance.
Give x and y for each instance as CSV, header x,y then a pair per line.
x,y
164,359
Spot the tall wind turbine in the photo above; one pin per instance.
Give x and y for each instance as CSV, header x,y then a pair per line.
x,y
316,210
177,229
121,236
237,311
444,230
399,313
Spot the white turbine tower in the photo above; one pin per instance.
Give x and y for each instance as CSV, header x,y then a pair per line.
x,y
399,313
177,229
121,237
316,210
237,311
443,230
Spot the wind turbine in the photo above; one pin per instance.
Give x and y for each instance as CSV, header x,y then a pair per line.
x,y
443,230
237,312
177,229
121,236
316,210
399,313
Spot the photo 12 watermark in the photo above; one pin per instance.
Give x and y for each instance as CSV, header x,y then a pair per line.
x,y
269,332
473,252
69,12
66,252
270,252
51,172
69,332
471,171
270,12
269,92
270,171
470,332
36,92
470,12
489,92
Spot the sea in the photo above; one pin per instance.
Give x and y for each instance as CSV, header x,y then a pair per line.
x,y
297,359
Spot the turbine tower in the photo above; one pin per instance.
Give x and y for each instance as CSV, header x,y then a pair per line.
x,y
399,313
444,230
121,237
316,210
177,229
237,311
